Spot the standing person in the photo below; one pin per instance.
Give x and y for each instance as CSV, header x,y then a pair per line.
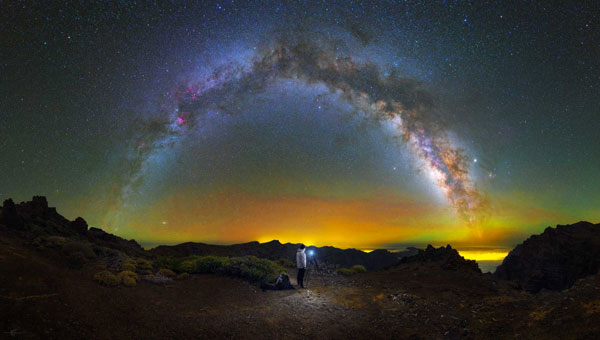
x,y
301,264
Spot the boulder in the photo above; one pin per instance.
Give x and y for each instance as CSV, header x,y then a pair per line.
x,y
79,225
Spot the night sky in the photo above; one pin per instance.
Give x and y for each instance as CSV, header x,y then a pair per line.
x,y
352,124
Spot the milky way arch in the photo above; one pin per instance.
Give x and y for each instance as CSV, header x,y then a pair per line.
x,y
388,98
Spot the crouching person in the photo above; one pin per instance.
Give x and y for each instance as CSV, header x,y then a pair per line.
x,y
282,282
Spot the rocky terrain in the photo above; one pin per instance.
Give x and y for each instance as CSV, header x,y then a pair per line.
x,y
48,290
555,259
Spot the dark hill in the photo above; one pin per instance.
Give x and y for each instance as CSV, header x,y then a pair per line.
x,y
555,259
275,250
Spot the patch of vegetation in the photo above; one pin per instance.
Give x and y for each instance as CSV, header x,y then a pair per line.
x,y
345,271
107,278
250,268
143,266
182,276
359,268
129,265
128,278
351,271
286,262
166,272
212,264
164,262
186,266
128,274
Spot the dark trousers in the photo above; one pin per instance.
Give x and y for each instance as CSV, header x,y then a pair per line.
x,y
300,277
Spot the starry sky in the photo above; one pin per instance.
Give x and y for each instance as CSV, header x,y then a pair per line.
x,y
348,123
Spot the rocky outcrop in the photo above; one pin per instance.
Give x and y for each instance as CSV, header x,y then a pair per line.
x,y
37,220
447,258
555,259
9,215
79,225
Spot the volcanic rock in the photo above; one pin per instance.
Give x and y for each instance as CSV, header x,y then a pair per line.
x,y
555,259
9,215
447,257
79,225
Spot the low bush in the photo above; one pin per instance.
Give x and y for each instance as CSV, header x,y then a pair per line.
x,y
128,278
248,267
128,274
212,264
345,271
107,278
164,262
187,266
128,281
286,262
359,269
143,266
182,276
78,253
129,266
351,271
166,272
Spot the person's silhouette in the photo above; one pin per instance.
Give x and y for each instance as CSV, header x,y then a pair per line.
x,y
301,264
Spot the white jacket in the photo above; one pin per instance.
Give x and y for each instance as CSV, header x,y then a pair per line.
x,y
301,258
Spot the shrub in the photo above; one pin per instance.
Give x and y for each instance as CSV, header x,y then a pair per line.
x,y
129,267
164,262
359,269
129,281
253,268
345,271
212,264
143,266
128,274
249,267
107,278
351,271
286,262
182,276
166,272
187,266
128,278
77,253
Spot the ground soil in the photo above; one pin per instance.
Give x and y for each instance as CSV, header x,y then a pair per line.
x,y
41,298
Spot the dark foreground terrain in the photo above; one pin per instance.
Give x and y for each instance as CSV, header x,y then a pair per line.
x,y
41,297
48,291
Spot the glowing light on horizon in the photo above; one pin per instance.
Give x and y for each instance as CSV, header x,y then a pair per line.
x,y
484,255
